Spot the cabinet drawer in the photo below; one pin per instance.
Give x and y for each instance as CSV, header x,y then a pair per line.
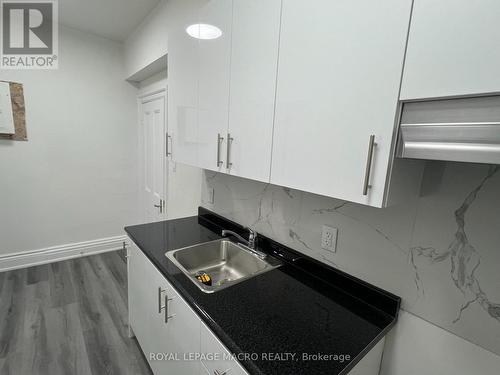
x,y
223,364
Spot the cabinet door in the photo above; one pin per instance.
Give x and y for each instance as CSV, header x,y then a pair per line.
x,y
254,58
146,288
213,86
339,76
183,84
452,49
223,363
182,330
151,300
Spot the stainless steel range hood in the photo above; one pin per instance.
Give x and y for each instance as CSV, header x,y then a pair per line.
x,y
465,130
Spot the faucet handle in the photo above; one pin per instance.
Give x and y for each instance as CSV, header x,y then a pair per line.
x,y
252,237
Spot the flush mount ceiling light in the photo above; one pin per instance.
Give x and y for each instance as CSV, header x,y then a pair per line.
x,y
204,31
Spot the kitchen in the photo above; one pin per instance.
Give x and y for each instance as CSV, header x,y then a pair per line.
x,y
253,187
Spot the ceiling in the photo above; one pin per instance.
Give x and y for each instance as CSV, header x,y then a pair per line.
x,y
112,19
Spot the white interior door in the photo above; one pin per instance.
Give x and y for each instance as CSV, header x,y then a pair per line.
x,y
154,157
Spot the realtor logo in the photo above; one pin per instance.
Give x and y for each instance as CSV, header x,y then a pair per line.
x,y
29,38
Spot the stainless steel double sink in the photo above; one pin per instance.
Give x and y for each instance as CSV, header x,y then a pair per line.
x,y
227,263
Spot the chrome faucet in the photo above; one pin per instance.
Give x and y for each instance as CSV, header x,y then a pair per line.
x,y
252,237
250,244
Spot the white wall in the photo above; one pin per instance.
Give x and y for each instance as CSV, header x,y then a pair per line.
x,y
416,347
184,190
76,178
149,41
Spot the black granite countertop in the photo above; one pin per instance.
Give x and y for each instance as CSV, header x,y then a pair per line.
x,y
303,307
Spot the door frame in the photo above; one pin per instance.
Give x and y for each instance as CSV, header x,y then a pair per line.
x,y
143,97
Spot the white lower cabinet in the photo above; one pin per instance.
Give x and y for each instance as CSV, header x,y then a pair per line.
x,y
161,320
221,361
170,333
370,364
173,337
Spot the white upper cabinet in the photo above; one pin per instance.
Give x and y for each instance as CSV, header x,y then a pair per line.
x,y
452,49
223,84
339,74
254,58
290,92
198,71
213,82
183,64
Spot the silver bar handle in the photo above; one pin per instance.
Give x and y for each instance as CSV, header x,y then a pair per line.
x,y
167,317
168,149
369,160
160,292
228,155
219,140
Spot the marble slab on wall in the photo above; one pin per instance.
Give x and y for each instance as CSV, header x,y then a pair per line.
x,y
440,251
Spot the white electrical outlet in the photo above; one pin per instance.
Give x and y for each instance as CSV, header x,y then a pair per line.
x,y
329,238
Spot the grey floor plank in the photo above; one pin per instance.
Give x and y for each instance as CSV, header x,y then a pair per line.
x,y
112,312
97,331
2,279
62,290
118,268
12,311
70,355
35,354
68,318
7,364
37,274
116,310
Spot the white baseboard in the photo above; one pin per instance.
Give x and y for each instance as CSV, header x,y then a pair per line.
x,y
62,252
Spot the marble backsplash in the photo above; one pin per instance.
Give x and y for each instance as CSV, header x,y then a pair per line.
x,y
440,251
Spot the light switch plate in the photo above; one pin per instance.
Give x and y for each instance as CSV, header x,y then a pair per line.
x,y
329,238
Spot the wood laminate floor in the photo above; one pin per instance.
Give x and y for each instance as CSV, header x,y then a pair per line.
x,y
68,318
